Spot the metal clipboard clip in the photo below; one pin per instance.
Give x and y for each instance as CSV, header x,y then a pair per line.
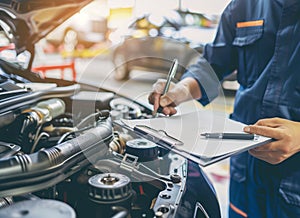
x,y
157,136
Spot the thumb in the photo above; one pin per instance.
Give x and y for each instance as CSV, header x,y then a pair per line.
x,y
165,100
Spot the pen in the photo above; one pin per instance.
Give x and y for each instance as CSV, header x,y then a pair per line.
x,y
238,136
171,75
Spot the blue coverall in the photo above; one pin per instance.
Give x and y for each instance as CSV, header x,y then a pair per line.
x,y
261,40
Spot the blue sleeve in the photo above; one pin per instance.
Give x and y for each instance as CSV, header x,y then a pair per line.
x,y
206,78
219,58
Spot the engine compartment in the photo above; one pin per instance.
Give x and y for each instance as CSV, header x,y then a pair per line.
x,y
61,155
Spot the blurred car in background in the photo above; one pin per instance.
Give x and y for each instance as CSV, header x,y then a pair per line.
x,y
152,41
82,30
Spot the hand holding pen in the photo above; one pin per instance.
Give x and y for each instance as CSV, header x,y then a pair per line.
x,y
168,97
161,87
171,75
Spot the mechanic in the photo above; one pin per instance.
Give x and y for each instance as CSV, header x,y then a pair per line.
x,y
261,40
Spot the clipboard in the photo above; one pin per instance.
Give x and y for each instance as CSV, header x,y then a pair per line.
x,y
157,136
182,135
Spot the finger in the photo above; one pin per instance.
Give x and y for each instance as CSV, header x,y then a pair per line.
x,y
264,131
156,101
169,111
261,154
165,100
270,157
173,97
271,122
272,146
265,156
151,97
158,86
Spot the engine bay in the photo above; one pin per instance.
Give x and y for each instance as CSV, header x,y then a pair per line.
x,y
61,155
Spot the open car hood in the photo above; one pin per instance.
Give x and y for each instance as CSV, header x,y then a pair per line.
x,y
25,22
61,153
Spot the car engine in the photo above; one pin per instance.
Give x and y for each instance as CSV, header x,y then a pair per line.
x,y
62,155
